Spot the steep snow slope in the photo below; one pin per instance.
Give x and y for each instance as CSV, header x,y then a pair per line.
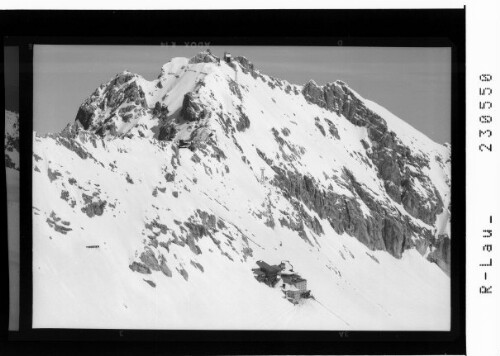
x,y
131,230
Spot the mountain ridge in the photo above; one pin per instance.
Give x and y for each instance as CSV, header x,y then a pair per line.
x,y
272,167
335,96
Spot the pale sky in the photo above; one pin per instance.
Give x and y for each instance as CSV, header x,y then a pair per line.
x,y
413,83
11,66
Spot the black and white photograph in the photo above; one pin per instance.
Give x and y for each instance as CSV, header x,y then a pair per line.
x,y
11,146
210,187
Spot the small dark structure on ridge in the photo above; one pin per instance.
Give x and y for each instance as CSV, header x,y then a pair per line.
x,y
186,144
227,57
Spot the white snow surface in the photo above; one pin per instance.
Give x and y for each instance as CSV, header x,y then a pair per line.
x,y
354,288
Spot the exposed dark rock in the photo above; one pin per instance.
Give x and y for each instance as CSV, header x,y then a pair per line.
x,y
74,146
192,245
170,177
441,253
153,241
394,237
9,163
321,129
197,265
175,161
191,109
382,230
53,222
291,223
53,174
129,179
151,283
161,111
332,129
217,152
183,273
314,94
139,267
149,260
388,154
285,131
164,268
195,158
93,208
235,88
269,220
373,257
12,141
197,230
423,208
264,157
204,57
64,195
85,114
243,122
221,224
207,219
313,223
246,65
121,97
167,132
156,225
175,194
247,252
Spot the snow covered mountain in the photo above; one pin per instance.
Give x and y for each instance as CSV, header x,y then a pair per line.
x,y
11,140
153,207
11,154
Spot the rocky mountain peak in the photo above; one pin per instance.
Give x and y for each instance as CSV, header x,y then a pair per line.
x,y
204,57
182,183
204,102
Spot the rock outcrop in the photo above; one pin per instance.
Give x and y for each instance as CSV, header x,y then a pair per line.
x,y
397,165
120,101
204,57
400,216
383,229
192,110
11,140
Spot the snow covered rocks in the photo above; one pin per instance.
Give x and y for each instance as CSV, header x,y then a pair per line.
x,y
188,180
11,140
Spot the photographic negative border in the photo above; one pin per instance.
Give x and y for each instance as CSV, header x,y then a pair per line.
x,y
384,28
